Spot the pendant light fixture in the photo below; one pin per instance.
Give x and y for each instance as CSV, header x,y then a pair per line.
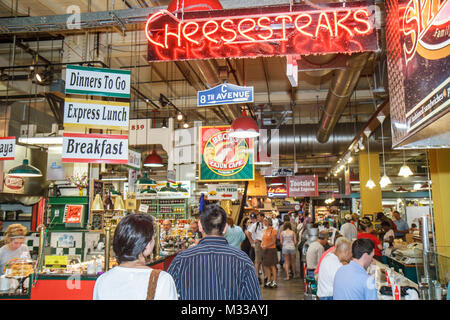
x,y
279,181
146,180
405,171
384,181
244,127
370,184
97,205
118,204
153,160
25,169
263,160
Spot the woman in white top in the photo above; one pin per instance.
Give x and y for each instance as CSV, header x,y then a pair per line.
x,y
14,247
288,240
341,255
134,239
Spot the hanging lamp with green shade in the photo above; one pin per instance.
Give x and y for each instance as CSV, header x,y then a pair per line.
x,y
168,188
181,189
146,180
25,170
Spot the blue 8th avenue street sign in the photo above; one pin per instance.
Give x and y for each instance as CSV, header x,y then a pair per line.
x,y
225,93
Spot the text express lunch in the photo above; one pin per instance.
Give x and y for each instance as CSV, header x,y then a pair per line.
x,y
95,148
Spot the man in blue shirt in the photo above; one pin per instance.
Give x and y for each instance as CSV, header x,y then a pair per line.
x,y
402,226
213,270
352,282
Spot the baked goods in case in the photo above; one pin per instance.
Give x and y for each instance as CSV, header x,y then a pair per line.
x,y
19,268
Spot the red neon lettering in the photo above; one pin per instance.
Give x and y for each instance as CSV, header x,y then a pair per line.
x,y
243,32
338,23
159,13
187,35
229,30
320,25
167,34
268,28
300,29
355,16
206,34
283,19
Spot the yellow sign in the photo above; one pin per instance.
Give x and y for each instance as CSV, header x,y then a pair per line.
x,y
55,262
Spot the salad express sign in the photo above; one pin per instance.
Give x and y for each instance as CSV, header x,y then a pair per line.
x,y
95,148
223,158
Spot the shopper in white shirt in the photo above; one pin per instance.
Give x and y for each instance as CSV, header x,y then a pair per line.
x,y
315,251
254,234
348,229
134,239
341,255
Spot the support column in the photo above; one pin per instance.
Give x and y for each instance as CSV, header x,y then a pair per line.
x,y
440,177
370,198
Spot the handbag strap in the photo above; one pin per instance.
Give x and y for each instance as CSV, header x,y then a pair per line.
x,y
152,282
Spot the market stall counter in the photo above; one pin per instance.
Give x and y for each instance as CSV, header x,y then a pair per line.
x,y
66,286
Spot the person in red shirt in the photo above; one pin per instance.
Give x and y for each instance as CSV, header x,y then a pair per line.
x,y
367,228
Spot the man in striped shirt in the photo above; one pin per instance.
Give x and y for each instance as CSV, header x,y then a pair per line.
x,y
213,270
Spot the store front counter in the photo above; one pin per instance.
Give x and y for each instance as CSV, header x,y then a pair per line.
x,y
71,287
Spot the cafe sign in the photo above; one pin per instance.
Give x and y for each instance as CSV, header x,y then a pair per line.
x,y
222,191
95,148
223,158
98,81
277,192
96,114
7,147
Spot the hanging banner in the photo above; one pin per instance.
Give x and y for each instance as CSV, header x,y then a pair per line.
x,y
7,148
348,186
299,29
303,186
96,114
225,93
98,81
223,158
418,58
95,148
222,192
134,159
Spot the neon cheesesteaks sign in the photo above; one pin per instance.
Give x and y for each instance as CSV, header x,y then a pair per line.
x,y
262,31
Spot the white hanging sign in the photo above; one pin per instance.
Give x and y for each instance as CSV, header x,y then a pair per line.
x,y
134,159
98,81
222,191
96,114
7,147
95,148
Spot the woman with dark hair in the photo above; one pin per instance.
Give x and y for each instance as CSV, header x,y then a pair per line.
x,y
132,279
288,239
246,245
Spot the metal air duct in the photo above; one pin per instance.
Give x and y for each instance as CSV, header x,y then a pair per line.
x,y
341,89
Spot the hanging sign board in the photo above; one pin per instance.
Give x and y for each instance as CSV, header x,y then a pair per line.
x,y
303,186
74,215
418,56
225,93
281,30
223,158
281,172
98,81
96,114
95,148
7,148
277,192
134,159
222,192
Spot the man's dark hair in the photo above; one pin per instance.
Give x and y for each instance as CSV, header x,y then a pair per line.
x,y
385,224
132,235
261,214
213,219
380,215
361,246
286,218
413,225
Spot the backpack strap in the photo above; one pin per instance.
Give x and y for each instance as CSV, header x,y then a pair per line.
x,y
152,282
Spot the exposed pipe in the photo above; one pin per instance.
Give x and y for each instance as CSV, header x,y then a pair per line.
x,y
341,89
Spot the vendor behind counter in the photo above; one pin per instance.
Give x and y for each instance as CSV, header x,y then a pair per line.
x,y
14,247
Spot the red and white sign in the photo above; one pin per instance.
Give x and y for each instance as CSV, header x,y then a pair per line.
x,y
7,147
74,213
281,30
303,186
95,148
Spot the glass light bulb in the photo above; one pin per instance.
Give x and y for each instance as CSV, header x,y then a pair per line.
x,y
370,184
405,171
384,181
